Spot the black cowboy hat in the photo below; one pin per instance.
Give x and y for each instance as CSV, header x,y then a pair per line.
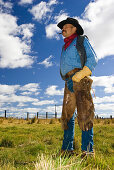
x,y
74,22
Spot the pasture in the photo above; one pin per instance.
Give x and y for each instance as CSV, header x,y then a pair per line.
x,y
33,144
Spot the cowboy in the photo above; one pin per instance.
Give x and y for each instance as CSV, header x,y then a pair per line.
x,y
77,87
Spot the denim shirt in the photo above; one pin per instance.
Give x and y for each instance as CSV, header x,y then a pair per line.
x,y
70,58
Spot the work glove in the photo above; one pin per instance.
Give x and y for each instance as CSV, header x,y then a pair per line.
x,y
70,85
81,74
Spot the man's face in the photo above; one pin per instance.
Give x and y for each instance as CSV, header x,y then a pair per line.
x,y
68,30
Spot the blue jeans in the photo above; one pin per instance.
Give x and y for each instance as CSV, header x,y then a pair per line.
x,y
87,137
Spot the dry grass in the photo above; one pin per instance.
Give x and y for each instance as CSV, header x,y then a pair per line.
x,y
11,120
104,121
30,121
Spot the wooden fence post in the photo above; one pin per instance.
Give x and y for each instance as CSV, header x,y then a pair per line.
x,y
27,115
55,115
46,115
5,113
37,115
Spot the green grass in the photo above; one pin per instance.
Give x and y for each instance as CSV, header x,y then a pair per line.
x,y
26,145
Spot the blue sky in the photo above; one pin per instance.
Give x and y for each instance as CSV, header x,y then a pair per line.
x,y
30,49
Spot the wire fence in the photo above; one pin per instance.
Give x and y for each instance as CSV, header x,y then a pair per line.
x,y
29,115
39,115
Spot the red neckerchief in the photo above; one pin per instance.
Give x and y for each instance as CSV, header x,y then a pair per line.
x,y
68,40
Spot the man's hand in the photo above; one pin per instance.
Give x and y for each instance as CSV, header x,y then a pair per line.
x,y
81,74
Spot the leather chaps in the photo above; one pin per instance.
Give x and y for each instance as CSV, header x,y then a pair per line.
x,y
82,100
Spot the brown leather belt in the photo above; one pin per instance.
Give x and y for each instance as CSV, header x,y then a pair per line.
x,y
70,73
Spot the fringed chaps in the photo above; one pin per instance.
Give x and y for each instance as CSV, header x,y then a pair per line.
x,y
82,100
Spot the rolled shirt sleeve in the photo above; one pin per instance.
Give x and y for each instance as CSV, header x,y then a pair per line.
x,y
92,60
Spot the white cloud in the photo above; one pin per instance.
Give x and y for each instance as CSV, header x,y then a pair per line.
x,y
14,50
26,31
21,104
44,102
16,98
8,90
47,63
52,29
109,89
5,6
31,110
52,2
51,109
26,93
25,2
105,107
105,99
97,21
104,81
12,93
43,10
61,16
31,87
52,90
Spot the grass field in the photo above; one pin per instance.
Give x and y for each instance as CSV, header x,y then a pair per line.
x,y
32,144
